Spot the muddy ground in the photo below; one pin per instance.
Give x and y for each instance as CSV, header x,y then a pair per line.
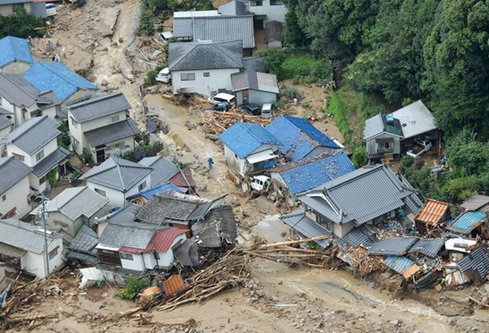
x,y
277,298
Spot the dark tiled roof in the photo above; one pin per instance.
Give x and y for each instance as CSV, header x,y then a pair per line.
x,y
163,171
428,247
362,235
392,246
475,265
133,235
125,215
50,161
5,122
12,171
113,132
218,224
187,253
305,226
99,107
85,240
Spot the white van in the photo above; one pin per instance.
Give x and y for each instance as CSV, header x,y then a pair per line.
x,y
267,110
165,36
223,97
164,75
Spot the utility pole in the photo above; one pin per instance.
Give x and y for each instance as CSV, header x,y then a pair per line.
x,y
44,216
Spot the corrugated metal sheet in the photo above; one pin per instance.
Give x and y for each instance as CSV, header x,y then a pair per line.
x,y
14,49
24,236
163,239
415,119
428,247
392,246
298,137
432,212
466,222
398,264
305,226
99,107
475,265
245,138
173,284
362,235
195,13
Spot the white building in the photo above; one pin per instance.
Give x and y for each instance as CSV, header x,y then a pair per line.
x,y
23,248
117,179
103,126
14,186
266,11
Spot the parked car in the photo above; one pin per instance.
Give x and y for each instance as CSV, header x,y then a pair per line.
x,y
267,110
164,75
420,148
223,97
251,109
165,36
223,106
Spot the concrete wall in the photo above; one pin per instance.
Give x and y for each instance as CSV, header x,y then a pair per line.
x,y
217,79
35,263
81,93
16,196
273,13
235,165
261,97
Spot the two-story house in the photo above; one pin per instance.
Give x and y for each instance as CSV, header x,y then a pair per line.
x,y
16,56
266,11
14,187
24,101
118,179
68,86
34,143
102,126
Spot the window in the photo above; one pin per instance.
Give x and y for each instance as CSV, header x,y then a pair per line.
x,y
126,256
42,180
207,74
142,186
19,157
119,145
275,3
112,119
101,192
40,155
4,197
187,76
53,253
256,3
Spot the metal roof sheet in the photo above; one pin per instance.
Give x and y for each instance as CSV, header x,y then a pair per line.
x,y
432,212
205,56
305,226
233,8
78,201
415,119
113,132
14,49
466,222
475,265
117,173
361,235
251,79
164,239
33,135
180,181
173,284
99,107
195,13
50,161
298,137
398,264
163,169
392,246
12,171
428,247
475,202
57,77
244,138
24,236
318,171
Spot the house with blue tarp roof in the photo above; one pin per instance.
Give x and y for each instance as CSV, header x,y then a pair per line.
x,y
299,138
248,147
68,86
309,173
467,223
15,55
143,197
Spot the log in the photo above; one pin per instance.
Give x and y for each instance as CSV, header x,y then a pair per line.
x,y
478,302
18,320
305,240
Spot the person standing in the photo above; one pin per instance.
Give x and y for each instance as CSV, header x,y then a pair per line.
x,y
210,161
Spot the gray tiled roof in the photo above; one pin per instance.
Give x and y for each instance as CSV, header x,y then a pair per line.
x,y
5,122
117,173
428,247
85,240
17,94
50,161
78,201
392,246
135,235
112,132
475,265
99,107
203,56
219,223
163,171
125,215
5,112
254,63
34,134
12,171
23,235
188,253
163,207
361,235
216,29
360,195
305,226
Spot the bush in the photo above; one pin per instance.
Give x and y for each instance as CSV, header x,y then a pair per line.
x,y
133,286
304,66
359,157
150,78
146,23
21,25
291,93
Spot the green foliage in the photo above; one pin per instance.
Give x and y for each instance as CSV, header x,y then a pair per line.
x,y
467,155
150,78
86,156
291,93
21,25
146,23
460,189
133,286
303,66
64,139
359,157
293,35
273,59
305,104
51,176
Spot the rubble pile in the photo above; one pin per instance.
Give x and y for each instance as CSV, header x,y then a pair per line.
x,y
217,122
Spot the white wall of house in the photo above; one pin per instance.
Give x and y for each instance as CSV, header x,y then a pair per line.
x,y
126,144
35,263
31,160
8,10
80,93
261,97
16,67
136,263
203,84
274,10
341,230
16,196
3,133
117,198
235,164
